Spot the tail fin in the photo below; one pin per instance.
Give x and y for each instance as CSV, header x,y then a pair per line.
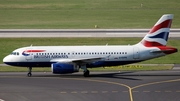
x,y
158,35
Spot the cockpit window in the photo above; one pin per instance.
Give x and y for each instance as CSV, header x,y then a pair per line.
x,y
15,53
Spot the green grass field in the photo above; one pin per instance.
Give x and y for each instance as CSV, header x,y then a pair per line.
x,y
82,14
9,44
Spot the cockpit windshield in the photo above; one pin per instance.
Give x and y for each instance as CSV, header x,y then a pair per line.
x,y
15,53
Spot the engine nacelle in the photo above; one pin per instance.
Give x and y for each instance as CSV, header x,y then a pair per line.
x,y
64,68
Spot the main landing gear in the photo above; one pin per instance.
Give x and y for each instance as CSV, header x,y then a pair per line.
x,y
29,74
86,71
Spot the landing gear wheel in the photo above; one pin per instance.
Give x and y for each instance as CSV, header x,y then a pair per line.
x,y
29,74
86,73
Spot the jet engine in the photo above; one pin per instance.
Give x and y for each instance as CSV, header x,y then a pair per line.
x,y
64,68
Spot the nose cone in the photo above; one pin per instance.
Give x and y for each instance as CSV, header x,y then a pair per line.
x,y
6,59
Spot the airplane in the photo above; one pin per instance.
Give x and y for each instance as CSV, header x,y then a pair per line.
x,y
69,59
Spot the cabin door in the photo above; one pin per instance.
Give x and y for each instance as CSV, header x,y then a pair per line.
x,y
136,53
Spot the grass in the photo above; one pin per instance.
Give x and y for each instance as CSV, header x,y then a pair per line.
x,y
22,69
9,44
84,14
134,67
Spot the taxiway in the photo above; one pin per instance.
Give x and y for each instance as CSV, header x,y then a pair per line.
x,y
100,86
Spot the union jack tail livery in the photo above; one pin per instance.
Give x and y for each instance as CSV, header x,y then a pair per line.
x,y
158,35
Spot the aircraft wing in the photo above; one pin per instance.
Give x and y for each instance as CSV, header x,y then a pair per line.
x,y
79,60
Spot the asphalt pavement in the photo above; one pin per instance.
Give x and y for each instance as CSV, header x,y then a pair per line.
x,y
100,86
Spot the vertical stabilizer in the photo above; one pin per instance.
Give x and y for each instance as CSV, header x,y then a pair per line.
x,y
158,35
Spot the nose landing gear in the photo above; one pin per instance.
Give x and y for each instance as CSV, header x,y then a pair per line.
x,y
29,73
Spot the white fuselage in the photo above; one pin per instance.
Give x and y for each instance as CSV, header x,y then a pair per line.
x,y
43,56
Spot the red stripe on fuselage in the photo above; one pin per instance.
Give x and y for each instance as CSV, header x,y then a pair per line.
x,y
35,51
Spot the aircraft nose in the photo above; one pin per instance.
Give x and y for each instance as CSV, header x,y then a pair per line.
x,y
6,59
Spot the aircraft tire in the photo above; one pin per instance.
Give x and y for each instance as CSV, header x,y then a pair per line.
x,y
86,73
29,74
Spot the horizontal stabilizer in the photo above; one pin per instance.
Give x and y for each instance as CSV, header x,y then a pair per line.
x,y
166,50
